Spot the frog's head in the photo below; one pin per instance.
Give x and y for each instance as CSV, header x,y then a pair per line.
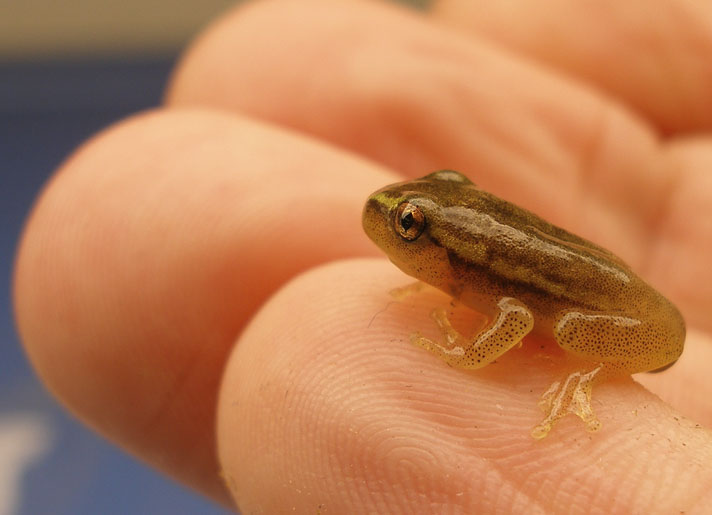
x,y
403,218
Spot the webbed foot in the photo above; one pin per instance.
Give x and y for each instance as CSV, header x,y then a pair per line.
x,y
571,395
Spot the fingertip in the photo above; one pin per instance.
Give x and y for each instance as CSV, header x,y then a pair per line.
x,y
324,402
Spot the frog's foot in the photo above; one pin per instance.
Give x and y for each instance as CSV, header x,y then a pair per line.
x,y
512,322
406,291
571,395
449,347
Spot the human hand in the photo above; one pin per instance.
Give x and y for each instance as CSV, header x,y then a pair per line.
x,y
151,283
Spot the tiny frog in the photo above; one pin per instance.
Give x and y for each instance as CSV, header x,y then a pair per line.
x,y
523,274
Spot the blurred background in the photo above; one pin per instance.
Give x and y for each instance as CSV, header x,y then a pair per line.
x,y
67,69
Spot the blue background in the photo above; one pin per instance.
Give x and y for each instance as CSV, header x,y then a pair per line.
x,y
46,110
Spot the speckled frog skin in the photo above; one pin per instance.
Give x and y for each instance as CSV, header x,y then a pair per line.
x,y
524,274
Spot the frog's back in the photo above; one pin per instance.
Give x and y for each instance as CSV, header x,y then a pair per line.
x,y
498,248
537,226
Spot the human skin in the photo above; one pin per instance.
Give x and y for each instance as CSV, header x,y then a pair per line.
x,y
195,285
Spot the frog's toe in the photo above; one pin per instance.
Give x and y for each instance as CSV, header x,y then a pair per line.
x,y
451,355
546,401
581,406
541,430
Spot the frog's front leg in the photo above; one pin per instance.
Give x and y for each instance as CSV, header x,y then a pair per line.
x,y
511,321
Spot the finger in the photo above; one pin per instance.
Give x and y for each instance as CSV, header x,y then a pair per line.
x,y
653,56
419,98
687,385
680,255
147,253
326,406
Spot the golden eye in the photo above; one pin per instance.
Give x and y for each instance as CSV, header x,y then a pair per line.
x,y
409,221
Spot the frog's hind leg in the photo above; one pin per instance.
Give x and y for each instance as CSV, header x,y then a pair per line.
x,y
616,343
636,341
511,321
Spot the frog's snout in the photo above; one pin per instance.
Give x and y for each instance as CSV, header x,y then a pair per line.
x,y
374,208
374,216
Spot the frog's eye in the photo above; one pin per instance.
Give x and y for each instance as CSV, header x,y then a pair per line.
x,y
409,221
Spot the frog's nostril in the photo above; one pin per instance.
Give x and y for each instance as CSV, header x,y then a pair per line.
x,y
374,208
